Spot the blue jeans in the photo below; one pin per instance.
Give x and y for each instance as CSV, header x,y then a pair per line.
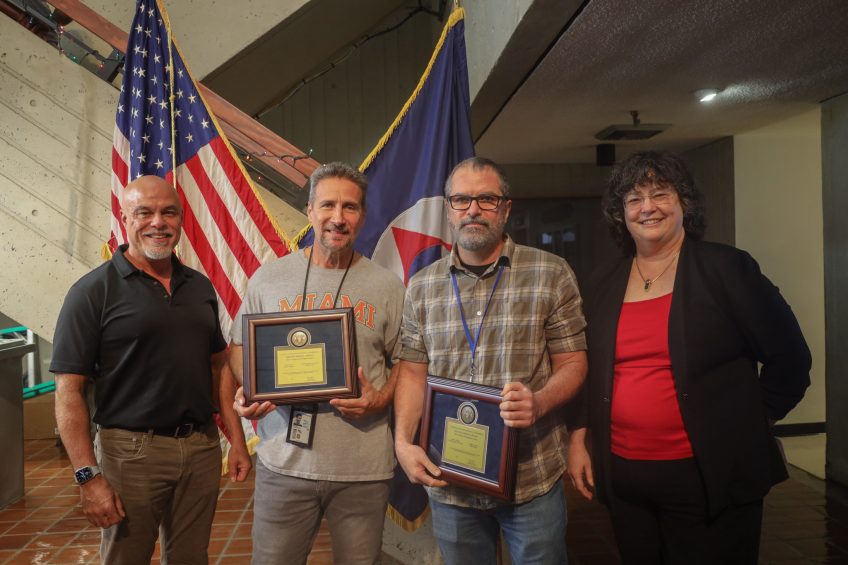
x,y
534,531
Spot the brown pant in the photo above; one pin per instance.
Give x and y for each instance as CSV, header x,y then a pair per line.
x,y
169,488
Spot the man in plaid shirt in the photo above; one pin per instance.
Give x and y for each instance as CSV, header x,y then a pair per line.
x,y
503,315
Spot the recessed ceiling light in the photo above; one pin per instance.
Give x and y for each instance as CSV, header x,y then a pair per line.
x,y
706,94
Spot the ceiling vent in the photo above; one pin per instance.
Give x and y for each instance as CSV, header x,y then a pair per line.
x,y
631,132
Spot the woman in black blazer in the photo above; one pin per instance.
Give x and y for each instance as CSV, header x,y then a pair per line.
x,y
679,412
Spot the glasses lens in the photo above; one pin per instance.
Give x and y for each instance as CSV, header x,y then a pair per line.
x,y
460,202
488,202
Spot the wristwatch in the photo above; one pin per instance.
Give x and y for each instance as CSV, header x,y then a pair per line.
x,y
85,474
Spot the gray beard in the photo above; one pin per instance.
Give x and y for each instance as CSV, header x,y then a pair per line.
x,y
478,242
158,254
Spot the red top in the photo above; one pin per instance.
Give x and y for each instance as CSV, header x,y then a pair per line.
x,y
645,419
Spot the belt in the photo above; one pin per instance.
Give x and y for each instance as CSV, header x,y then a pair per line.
x,y
181,431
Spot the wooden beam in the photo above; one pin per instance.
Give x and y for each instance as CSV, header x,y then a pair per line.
x,y
236,125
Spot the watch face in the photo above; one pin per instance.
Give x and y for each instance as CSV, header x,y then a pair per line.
x,y
83,475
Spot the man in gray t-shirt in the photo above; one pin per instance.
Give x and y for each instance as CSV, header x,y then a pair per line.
x,y
344,472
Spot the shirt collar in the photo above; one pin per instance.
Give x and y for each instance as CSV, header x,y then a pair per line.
x,y
505,259
125,268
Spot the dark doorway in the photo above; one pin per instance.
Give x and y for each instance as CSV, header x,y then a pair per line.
x,y
572,228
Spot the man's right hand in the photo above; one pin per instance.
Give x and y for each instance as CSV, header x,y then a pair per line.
x,y
100,504
417,466
255,411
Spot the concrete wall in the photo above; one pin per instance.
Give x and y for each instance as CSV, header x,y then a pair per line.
x,y
778,176
343,113
834,125
487,32
55,145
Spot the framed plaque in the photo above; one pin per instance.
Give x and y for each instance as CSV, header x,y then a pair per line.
x,y
463,433
299,357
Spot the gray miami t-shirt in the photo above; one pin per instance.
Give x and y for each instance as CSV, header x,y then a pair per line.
x,y
342,449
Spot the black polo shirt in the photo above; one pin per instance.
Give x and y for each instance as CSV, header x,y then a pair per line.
x,y
149,352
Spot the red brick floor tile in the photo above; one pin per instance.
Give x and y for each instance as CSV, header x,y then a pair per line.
x,y
69,525
51,541
14,542
222,531
90,536
13,514
77,555
216,546
239,546
48,513
31,527
32,556
231,504
243,531
228,516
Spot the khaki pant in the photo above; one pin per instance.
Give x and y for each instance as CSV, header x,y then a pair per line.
x,y
169,488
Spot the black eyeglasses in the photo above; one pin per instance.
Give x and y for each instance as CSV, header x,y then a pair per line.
x,y
486,202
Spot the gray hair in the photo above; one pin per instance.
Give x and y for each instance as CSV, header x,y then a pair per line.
x,y
480,164
337,170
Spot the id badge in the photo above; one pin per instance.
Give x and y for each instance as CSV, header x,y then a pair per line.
x,y
302,424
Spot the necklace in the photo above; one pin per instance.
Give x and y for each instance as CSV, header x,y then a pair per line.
x,y
648,282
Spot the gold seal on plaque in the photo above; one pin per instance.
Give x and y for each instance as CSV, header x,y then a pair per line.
x,y
467,413
299,337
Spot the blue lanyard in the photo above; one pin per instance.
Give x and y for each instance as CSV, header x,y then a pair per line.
x,y
472,342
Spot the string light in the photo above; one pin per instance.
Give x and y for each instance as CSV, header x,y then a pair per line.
x,y
249,155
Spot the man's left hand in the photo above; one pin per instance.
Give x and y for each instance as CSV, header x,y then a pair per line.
x,y
369,400
238,462
519,408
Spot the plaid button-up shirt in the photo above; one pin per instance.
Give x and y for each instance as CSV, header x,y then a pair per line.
x,y
534,312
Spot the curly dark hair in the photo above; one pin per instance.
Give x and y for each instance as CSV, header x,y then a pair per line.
x,y
654,168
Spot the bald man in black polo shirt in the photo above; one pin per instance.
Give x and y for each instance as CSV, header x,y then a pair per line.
x,y
145,328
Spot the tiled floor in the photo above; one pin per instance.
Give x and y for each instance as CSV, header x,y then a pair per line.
x,y
802,523
47,525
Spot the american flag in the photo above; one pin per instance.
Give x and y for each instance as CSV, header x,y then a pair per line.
x,y
227,232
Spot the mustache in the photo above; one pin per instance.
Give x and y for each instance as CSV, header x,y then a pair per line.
x,y
341,228
475,220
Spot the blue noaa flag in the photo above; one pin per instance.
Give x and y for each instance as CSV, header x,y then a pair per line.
x,y
406,228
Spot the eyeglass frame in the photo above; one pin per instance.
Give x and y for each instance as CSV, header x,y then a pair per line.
x,y
500,199
633,200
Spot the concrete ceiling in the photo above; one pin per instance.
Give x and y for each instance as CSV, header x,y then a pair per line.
x,y
771,58
209,32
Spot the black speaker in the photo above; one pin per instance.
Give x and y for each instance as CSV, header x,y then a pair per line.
x,y
605,154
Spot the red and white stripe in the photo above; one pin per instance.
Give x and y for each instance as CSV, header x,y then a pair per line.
x,y
227,233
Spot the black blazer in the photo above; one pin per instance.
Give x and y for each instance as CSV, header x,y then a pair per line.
x,y
725,317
